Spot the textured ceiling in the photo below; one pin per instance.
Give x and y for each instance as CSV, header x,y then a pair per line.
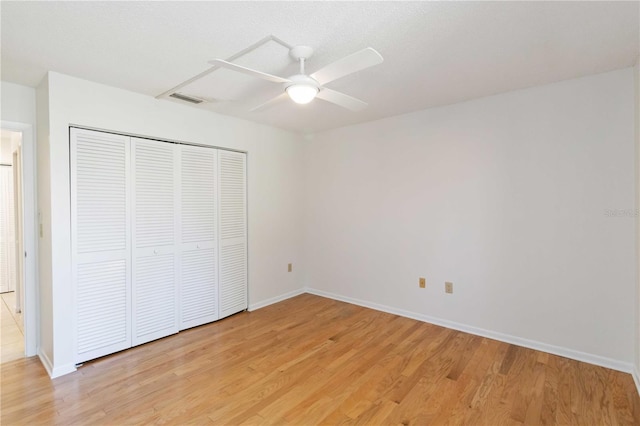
x,y
435,53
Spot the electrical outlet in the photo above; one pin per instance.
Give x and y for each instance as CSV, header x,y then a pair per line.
x,y
423,282
448,287
290,267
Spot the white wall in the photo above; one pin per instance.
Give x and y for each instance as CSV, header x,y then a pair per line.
x,y
274,185
18,103
505,196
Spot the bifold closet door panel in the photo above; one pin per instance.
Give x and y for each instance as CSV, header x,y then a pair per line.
x,y
101,243
199,271
155,174
232,173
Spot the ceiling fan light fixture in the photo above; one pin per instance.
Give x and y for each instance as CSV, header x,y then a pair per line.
x,y
302,93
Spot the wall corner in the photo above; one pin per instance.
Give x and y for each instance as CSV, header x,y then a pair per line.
x,y
45,292
636,119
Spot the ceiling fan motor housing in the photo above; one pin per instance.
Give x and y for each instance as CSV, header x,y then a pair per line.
x,y
302,79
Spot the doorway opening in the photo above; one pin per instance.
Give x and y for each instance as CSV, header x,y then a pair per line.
x,y
11,246
18,241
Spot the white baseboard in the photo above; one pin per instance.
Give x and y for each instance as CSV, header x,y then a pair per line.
x,y
272,300
531,344
46,363
636,378
52,371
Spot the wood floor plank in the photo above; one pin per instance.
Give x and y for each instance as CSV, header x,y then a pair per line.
x,y
550,391
311,360
523,393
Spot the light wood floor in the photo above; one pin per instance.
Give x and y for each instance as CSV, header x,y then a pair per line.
x,y
11,334
311,360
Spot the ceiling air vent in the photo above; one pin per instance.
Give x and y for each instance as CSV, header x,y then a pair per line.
x,y
186,98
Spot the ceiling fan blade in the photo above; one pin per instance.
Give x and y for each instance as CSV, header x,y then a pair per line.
x,y
349,64
249,71
341,99
282,96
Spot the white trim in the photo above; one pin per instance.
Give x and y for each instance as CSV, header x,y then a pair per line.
x,y
30,220
62,370
57,371
46,363
280,298
636,80
636,378
531,344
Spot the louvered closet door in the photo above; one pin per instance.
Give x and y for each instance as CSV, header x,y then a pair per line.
x,y
199,272
154,227
233,231
100,234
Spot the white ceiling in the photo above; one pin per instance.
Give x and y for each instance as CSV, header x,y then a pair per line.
x,y
436,53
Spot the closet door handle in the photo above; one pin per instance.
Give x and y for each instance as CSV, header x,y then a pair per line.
x,y
155,251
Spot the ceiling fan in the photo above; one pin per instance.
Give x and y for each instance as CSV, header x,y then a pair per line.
x,y
303,88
